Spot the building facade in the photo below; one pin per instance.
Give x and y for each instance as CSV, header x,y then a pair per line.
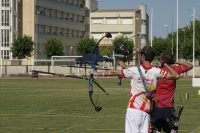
x,y
64,19
8,26
69,20
127,22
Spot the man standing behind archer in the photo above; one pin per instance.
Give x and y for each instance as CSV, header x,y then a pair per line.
x,y
165,92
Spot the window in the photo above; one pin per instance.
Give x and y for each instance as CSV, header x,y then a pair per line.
x,y
127,21
67,50
66,2
48,12
48,30
72,50
96,21
5,54
111,21
54,14
127,34
5,38
97,35
5,17
65,34
87,12
114,35
5,3
41,12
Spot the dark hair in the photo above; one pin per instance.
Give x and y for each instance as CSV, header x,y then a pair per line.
x,y
149,53
149,57
167,57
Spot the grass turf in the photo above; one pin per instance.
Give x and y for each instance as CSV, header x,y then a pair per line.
x,y
62,105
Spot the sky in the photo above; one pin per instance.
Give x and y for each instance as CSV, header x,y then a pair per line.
x,y
162,13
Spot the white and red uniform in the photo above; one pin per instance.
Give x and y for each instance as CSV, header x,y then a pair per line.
x,y
165,90
137,117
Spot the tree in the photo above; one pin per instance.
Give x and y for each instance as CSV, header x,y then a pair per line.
x,y
186,48
105,50
85,46
53,47
160,45
129,45
185,42
22,47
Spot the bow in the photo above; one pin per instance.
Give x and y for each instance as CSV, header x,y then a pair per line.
x,y
91,78
125,59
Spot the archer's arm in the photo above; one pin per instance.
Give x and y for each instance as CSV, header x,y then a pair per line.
x,y
190,66
107,73
172,73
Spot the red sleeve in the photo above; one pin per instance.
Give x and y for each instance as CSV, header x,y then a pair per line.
x,y
123,75
181,68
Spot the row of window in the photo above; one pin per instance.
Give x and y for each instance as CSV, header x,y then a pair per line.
x,y
113,21
60,15
100,35
77,3
68,50
59,31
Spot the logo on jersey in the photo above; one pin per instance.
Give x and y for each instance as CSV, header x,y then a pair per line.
x,y
148,81
162,72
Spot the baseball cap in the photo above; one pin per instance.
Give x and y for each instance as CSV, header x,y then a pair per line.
x,y
148,50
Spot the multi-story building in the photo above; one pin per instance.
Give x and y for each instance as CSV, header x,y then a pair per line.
x,y
126,22
64,19
68,20
8,27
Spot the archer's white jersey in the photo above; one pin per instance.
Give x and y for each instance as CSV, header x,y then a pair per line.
x,y
138,99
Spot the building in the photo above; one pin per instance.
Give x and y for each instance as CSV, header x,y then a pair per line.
x,y
64,19
8,26
127,22
68,20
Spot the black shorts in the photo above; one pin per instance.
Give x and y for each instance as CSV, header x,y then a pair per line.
x,y
162,117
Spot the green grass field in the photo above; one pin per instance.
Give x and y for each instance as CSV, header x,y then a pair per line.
x,y
62,105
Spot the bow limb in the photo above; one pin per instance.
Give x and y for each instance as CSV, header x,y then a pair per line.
x,y
57,74
91,79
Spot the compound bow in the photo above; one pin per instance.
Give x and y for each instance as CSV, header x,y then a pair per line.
x,y
91,78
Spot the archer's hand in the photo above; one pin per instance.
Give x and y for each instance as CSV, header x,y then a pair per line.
x,y
92,72
122,64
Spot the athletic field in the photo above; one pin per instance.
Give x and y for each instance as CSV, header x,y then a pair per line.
x,y
62,105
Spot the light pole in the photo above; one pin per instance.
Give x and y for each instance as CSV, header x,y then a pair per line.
x,y
172,33
177,33
184,34
193,38
138,44
36,36
151,25
167,28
